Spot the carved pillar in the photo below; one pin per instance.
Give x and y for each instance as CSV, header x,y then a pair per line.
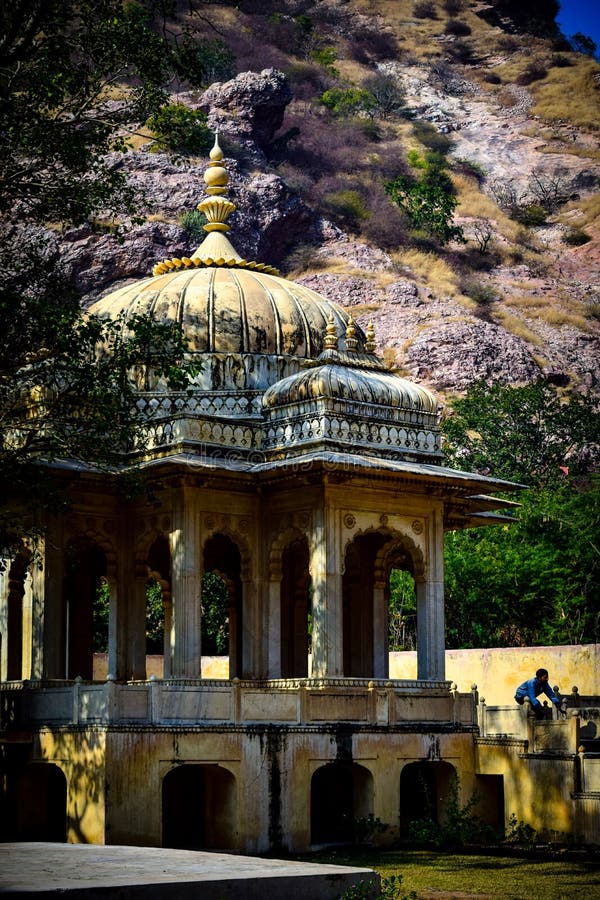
x,y
274,627
186,585
431,664
381,656
326,572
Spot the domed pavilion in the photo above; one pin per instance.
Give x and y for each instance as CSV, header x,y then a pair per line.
x,y
298,470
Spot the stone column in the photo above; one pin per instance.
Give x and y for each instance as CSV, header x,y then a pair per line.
x,y
381,656
55,632
274,628
326,572
186,585
431,661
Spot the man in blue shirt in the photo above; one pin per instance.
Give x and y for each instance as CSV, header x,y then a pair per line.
x,y
533,687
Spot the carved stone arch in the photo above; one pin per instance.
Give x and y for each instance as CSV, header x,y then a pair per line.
x,y
395,551
100,539
241,543
283,540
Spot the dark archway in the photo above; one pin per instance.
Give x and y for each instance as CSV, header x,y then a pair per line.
x,y
222,558
14,624
295,609
426,788
41,804
86,608
199,808
358,582
340,793
158,597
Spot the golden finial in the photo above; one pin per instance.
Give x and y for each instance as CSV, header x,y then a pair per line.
x,y
351,340
331,338
215,249
216,208
370,342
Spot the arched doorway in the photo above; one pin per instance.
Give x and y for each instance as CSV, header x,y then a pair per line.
x,y
340,794
295,609
426,788
199,809
86,608
222,558
41,804
358,582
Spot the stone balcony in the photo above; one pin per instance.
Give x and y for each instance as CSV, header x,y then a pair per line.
x,y
403,705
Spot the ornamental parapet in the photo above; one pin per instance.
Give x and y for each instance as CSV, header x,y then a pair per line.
x,y
197,702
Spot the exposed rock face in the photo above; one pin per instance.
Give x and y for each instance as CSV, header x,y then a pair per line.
x,y
440,340
250,106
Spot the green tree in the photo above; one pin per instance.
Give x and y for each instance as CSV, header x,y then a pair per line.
x,y
428,201
76,77
538,579
523,433
215,623
181,129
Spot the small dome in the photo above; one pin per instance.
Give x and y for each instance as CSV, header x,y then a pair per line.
x,y
339,377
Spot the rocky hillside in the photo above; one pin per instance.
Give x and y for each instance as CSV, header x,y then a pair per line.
x,y
512,113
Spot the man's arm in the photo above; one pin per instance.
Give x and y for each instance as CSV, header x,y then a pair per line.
x,y
550,694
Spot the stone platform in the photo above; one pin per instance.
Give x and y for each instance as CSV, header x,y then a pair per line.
x,y
78,871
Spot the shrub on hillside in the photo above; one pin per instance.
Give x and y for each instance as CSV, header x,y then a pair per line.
x,y
431,138
456,27
178,128
424,9
193,221
575,237
453,7
535,71
370,45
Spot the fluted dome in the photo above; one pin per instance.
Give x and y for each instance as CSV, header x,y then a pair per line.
x,y
232,310
250,326
345,377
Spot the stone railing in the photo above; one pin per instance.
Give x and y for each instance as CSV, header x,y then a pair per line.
x,y
192,703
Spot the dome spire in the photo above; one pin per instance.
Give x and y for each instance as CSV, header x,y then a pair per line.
x,y
216,207
215,249
331,337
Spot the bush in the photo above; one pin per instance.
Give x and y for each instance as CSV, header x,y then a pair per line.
x,y
462,52
535,71
373,46
452,7
347,207
424,9
345,102
455,26
575,237
559,61
431,138
203,62
192,222
387,96
181,129
492,78
532,215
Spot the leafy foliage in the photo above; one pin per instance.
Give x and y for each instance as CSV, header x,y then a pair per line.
x,y
537,580
215,624
181,129
429,201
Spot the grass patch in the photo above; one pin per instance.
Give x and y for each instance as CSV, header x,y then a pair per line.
x,y
431,269
570,94
460,875
517,327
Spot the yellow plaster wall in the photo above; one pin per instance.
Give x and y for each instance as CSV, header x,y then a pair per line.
x,y
81,756
498,671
